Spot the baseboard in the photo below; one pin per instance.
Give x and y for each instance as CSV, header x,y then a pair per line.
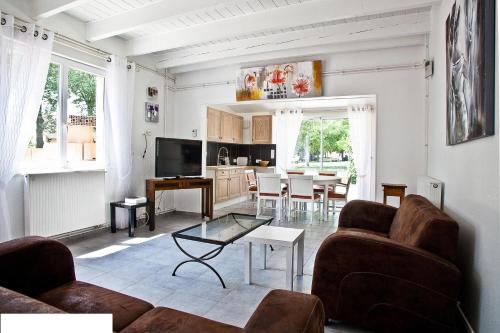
x,y
465,325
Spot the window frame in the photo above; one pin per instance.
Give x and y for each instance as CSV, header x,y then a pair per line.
x,y
65,65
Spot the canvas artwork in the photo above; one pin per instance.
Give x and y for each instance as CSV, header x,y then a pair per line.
x,y
470,71
291,80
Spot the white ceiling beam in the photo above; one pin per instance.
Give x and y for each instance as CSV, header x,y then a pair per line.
x,y
300,54
143,16
374,29
42,9
310,12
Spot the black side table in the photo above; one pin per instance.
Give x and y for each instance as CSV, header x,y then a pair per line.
x,y
132,221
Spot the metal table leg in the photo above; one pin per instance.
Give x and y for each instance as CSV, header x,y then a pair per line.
x,y
207,256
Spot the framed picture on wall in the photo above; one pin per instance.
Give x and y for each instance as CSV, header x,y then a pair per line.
x,y
152,112
470,71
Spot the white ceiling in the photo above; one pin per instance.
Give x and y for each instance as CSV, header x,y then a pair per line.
x,y
180,33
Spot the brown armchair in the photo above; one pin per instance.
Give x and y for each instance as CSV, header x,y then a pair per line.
x,y
390,270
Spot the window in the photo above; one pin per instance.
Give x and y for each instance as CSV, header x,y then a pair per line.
x,y
68,130
323,144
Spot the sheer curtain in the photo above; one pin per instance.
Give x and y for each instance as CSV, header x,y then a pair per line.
x,y
24,63
287,131
360,135
119,100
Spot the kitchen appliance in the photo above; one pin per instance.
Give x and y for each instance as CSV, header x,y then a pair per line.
x,y
242,161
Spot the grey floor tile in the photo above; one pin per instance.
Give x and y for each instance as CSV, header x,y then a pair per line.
x,y
182,301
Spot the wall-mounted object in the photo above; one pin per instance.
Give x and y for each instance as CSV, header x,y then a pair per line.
x,y
470,71
152,92
290,80
224,126
152,112
194,133
429,68
262,129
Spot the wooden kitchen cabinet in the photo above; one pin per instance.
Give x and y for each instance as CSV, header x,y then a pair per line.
x,y
262,129
237,129
213,125
224,127
234,186
222,186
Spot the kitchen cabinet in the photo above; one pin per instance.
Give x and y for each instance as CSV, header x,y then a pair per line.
x,y
224,127
235,183
213,125
262,129
222,185
237,129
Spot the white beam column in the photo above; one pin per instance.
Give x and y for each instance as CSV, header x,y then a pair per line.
x,y
42,9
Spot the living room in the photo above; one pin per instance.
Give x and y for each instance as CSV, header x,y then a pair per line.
x,y
102,88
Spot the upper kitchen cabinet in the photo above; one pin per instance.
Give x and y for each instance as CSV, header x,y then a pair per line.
x,y
224,127
214,125
262,129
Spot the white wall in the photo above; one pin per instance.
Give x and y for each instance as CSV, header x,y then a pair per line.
x,y
400,110
470,172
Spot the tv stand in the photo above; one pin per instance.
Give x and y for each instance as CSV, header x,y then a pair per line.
x,y
205,184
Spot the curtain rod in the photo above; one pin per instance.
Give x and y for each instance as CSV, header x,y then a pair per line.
x,y
79,46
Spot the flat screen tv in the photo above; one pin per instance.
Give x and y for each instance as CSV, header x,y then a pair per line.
x,y
177,158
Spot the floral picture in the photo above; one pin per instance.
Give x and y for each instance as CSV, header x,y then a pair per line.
x,y
291,80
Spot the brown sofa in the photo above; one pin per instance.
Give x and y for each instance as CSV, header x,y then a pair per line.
x,y
390,270
38,277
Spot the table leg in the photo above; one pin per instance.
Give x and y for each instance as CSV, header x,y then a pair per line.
x,y
248,262
151,214
131,221
289,268
263,248
300,257
203,204
325,202
112,209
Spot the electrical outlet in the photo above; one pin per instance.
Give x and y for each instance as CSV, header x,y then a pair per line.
x,y
148,133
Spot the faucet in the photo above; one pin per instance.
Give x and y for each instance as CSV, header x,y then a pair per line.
x,y
226,159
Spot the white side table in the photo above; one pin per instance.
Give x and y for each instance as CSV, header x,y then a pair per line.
x,y
278,236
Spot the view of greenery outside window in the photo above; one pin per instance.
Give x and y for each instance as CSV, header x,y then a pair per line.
x,y
43,145
323,144
70,116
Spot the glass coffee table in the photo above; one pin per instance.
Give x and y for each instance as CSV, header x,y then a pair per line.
x,y
220,232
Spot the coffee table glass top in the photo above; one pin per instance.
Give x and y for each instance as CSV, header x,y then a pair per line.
x,y
222,230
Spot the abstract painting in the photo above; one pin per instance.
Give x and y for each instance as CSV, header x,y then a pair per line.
x,y
470,70
291,80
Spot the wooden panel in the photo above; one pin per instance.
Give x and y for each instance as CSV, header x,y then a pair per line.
x,y
222,189
262,129
213,125
244,183
234,186
226,127
237,129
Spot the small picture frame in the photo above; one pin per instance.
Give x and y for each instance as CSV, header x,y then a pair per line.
x,y
152,112
152,92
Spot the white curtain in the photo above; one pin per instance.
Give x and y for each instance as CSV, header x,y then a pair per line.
x,y
24,61
119,100
361,120
287,131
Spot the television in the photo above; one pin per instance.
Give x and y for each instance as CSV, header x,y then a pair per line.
x,y
177,158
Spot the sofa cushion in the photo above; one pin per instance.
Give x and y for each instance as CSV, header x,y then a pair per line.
x,y
13,302
163,320
360,232
81,297
421,224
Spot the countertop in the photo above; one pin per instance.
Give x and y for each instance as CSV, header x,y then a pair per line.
x,y
219,167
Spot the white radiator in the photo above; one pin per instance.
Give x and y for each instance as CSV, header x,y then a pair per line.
x,y
60,203
431,189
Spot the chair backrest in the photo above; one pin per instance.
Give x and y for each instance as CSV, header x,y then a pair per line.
x,y
251,180
295,172
421,224
300,186
269,184
327,173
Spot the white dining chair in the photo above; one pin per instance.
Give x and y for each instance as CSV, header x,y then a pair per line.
x,y
301,192
340,193
269,189
251,183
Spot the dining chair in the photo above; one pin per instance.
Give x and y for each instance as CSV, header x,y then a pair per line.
x,y
295,172
251,183
336,196
301,192
319,188
269,189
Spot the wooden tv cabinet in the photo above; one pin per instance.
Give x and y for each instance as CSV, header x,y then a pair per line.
x,y
157,184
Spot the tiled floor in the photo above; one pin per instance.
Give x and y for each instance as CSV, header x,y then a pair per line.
x,y
142,267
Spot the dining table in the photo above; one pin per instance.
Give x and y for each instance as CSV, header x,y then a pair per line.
x,y
324,181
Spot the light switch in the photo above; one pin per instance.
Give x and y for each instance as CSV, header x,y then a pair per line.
x,y
272,154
